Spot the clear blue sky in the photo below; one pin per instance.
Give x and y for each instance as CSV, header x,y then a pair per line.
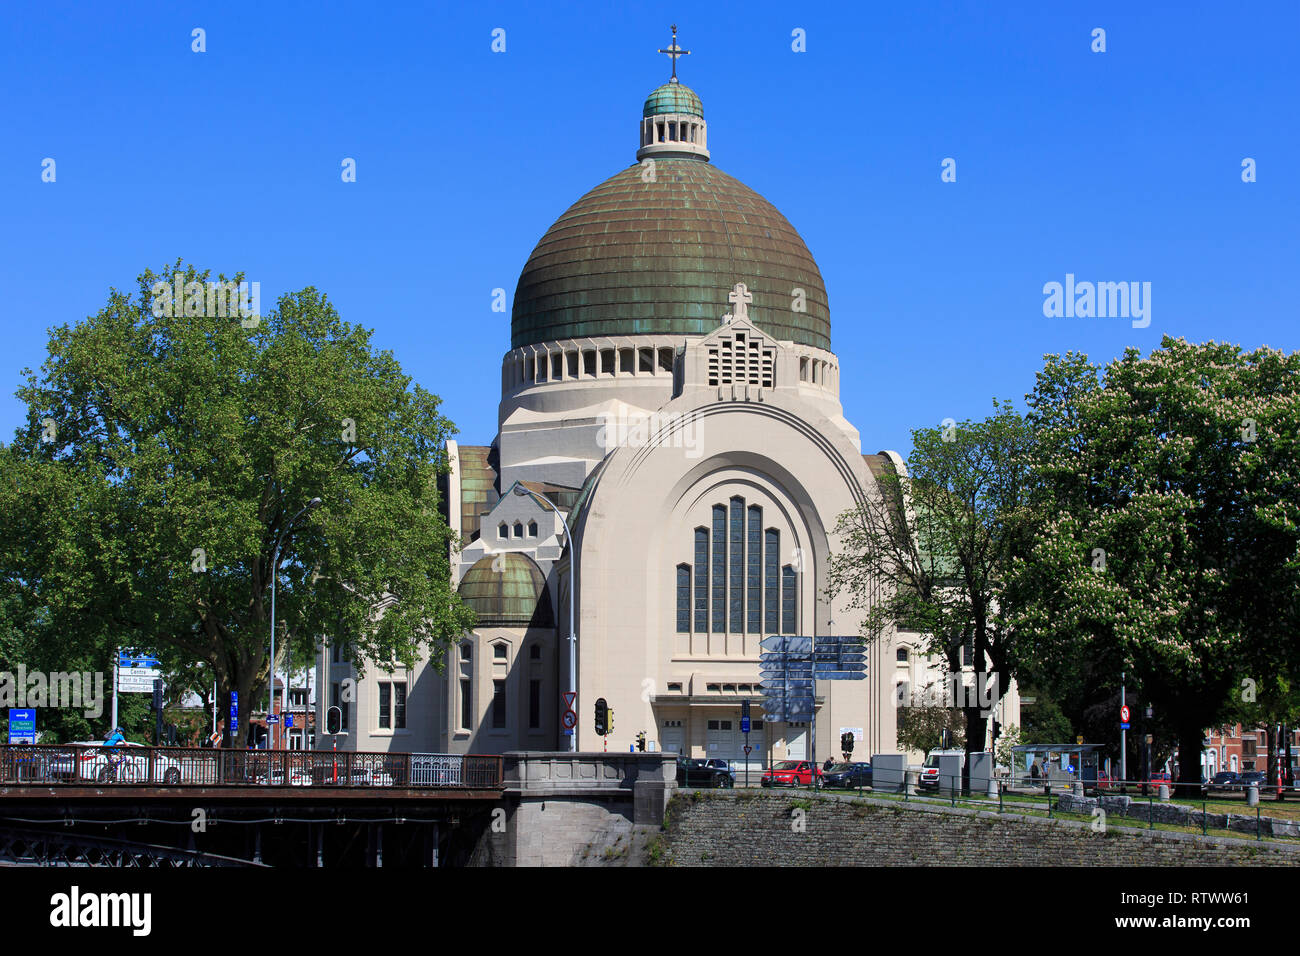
x,y
1115,166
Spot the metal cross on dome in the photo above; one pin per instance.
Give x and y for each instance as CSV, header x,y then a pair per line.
x,y
675,51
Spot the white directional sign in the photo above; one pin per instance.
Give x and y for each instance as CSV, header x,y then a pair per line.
x,y
135,685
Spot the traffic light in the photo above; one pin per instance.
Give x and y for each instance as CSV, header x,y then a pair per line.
x,y
744,708
333,720
602,717
997,729
640,741
846,743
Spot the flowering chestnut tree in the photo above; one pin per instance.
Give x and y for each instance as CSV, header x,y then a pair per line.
x,y
1167,497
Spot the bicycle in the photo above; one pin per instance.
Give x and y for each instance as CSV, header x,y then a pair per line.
x,y
116,766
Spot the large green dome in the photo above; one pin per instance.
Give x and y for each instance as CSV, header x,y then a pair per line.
x,y
639,258
673,98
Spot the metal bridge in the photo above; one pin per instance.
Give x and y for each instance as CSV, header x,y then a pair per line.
x,y
80,805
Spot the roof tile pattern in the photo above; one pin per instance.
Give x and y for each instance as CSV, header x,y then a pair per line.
x,y
653,258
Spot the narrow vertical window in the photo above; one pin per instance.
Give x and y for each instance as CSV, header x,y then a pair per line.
x,y
787,600
771,582
534,704
466,705
498,704
399,706
683,599
702,580
719,569
385,705
754,573
737,584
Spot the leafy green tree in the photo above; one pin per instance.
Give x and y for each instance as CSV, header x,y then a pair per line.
x,y
164,457
931,551
1167,537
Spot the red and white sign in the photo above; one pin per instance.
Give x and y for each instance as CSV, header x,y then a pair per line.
x,y
1123,714
569,698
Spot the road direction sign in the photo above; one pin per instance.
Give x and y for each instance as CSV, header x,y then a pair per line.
x,y
137,660
22,725
273,719
135,684
789,643
234,708
841,675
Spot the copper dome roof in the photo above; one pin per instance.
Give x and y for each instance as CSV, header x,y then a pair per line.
x,y
650,258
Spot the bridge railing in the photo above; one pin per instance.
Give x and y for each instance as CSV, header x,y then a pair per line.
x,y
79,765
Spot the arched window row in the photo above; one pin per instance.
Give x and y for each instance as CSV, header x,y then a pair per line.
x,y
736,584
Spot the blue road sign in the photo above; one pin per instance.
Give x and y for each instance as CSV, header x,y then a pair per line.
x,y
22,725
744,725
840,639
789,643
841,675
273,719
137,660
568,731
1123,726
234,708
288,720
783,660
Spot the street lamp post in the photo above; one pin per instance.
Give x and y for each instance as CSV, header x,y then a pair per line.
x,y
573,621
275,577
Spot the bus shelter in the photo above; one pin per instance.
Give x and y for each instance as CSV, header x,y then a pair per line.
x,y
1059,765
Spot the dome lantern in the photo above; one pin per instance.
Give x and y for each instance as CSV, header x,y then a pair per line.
x,y
672,120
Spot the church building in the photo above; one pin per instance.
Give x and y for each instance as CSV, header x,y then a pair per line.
x,y
671,460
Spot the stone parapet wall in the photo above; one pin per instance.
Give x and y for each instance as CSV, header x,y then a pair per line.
x,y
731,828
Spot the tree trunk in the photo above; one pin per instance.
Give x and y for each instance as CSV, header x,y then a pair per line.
x,y
1190,738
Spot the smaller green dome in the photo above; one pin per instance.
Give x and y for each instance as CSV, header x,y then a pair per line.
x,y
673,98
507,589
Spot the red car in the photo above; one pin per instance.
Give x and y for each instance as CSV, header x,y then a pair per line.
x,y
791,773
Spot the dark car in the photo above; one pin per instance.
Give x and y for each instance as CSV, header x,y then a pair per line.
x,y
698,773
724,766
848,776
1225,781
1253,778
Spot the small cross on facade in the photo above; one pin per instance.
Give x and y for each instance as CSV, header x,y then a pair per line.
x,y
740,297
675,51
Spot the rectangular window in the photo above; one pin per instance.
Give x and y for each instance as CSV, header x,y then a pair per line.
x,y
787,600
771,581
754,577
466,705
399,705
719,569
968,653
683,598
534,704
737,590
385,705
499,704
702,580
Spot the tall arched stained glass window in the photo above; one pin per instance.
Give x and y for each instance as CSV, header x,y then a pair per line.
x,y
719,569
754,572
736,592
683,599
787,600
771,581
702,580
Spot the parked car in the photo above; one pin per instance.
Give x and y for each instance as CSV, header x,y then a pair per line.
x,y
130,764
724,766
297,778
847,776
692,772
1253,778
791,773
1225,781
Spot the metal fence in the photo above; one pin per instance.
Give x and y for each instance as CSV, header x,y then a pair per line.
x,y
80,765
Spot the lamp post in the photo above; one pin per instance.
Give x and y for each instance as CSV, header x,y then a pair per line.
x,y
275,577
573,583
